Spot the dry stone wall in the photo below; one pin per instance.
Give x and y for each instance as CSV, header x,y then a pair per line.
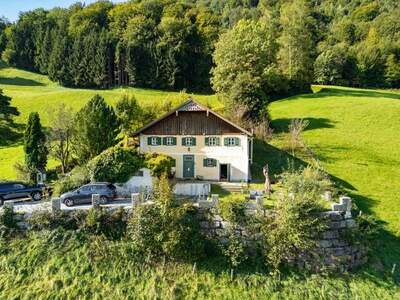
x,y
334,251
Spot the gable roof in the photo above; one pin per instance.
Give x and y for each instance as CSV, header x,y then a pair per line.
x,y
191,105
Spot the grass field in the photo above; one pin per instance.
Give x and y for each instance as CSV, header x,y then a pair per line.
x,y
353,132
61,266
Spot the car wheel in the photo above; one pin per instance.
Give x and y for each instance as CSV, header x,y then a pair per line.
x,y
69,202
103,200
37,196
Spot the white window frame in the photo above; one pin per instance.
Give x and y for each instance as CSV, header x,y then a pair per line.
x,y
169,141
153,141
189,141
212,141
231,141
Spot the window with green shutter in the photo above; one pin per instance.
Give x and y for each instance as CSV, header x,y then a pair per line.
x,y
209,162
189,141
212,141
169,141
231,141
154,141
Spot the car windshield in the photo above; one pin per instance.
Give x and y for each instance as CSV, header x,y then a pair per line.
x,y
111,186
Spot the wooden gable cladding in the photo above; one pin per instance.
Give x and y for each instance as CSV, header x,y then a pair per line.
x,y
191,123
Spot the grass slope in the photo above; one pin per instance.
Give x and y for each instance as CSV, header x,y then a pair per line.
x,y
355,135
59,265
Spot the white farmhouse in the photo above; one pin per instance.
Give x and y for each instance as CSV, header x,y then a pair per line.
x,y
203,144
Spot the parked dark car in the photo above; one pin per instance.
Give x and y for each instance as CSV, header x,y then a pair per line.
x,y
82,195
16,190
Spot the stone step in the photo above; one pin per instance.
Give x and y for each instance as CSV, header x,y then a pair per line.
x,y
232,187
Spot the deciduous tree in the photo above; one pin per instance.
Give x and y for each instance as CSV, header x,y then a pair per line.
x,y
62,124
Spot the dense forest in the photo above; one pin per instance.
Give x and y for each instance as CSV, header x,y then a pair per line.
x,y
167,44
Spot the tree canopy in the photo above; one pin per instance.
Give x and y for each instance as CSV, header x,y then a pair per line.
x,y
170,44
95,130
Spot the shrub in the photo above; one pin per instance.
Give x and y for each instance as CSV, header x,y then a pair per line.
x,y
8,222
233,210
78,176
115,164
100,222
166,228
23,172
45,220
297,221
307,183
159,163
235,250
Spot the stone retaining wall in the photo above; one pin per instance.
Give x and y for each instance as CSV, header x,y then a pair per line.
x,y
333,251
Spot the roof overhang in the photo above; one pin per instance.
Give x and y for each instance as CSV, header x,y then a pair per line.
x,y
191,105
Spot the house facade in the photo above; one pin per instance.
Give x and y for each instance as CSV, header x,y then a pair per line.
x,y
203,144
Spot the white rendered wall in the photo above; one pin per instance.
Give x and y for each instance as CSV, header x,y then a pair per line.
x,y
236,156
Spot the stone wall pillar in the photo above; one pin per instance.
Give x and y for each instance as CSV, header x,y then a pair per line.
x,y
135,199
96,200
215,200
55,205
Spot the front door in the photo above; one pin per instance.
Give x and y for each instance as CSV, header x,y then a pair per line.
x,y
224,172
188,166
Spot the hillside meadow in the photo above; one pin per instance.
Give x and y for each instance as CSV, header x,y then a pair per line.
x,y
353,132
35,92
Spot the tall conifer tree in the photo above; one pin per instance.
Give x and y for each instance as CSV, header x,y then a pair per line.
x,y
35,146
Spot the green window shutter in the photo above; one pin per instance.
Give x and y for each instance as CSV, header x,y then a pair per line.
x,y
218,141
206,141
194,141
237,141
158,140
225,141
183,141
149,141
205,162
173,140
214,162
164,140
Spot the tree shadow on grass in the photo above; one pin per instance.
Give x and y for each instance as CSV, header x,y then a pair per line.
x,y
341,92
11,134
282,125
19,81
277,160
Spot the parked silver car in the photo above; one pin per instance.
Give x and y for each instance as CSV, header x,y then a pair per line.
x,y
83,195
